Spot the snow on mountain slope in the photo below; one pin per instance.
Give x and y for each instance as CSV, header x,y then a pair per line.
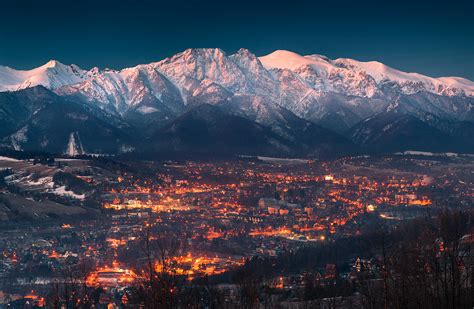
x,y
191,77
189,68
410,82
240,73
352,71
458,82
204,75
334,93
119,91
259,80
283,59
51,75
321,74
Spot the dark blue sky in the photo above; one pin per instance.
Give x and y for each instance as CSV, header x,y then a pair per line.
x,y
431,37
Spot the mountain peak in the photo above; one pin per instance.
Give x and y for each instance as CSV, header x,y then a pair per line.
x,y
51,64
203,51
245,52
55,64
284,59
281,56
12,80
246,59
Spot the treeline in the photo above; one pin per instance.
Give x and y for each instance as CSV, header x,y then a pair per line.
x,y
424,263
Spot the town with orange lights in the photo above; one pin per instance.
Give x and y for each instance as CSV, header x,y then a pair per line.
x,y
218,233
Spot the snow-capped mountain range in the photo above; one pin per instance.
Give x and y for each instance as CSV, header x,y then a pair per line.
x,y
360,78
274,90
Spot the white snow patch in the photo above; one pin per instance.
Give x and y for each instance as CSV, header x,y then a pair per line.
x,y
429,154
278,160
63,192
18,138
9,159
147,109
44,181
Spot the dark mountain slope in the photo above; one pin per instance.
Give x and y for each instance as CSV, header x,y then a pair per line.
x,y
392,131
46,122
208,129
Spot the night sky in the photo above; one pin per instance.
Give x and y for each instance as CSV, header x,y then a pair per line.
x,y
430,37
